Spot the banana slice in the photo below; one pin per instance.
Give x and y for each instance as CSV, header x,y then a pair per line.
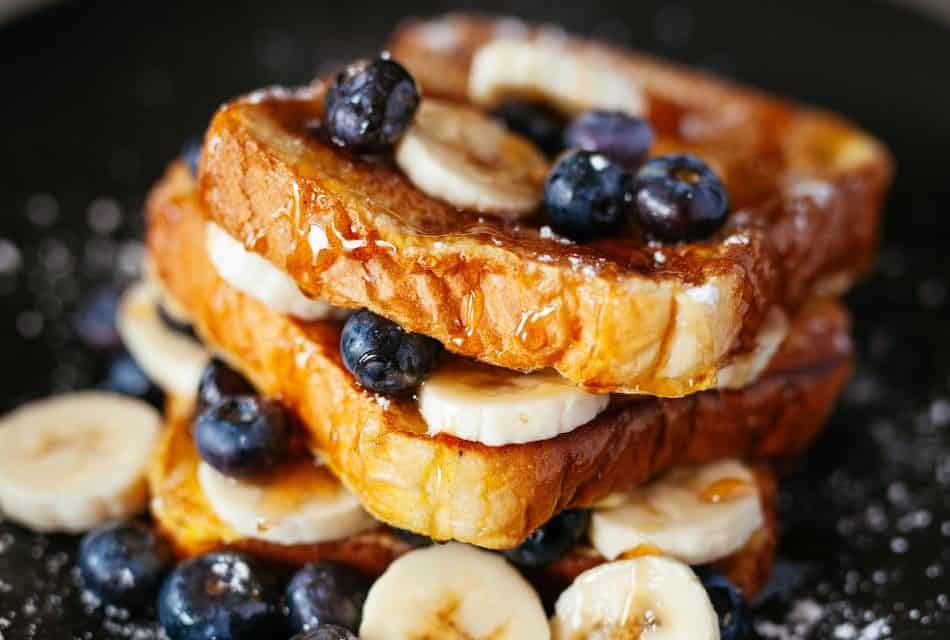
x,y
172,306
73,461
253,275
302,504
461,156
452,592
572,78
174,361
696,514
747,367
497,406
651,597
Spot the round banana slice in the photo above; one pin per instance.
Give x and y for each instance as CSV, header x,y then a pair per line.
x,y
696,514
651,597
452,592
71,462
497,406
459,155
571,78
173,360
253,275
302,504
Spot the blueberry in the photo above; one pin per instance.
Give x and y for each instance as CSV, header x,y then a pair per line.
x,y
243,436
176,325
123,563
125,376
327,632
729,603
370,106
94,321
621,137
678,197
540,124
587,196
220,381
383,356
191,154
411,538
220,596
551,541
326,593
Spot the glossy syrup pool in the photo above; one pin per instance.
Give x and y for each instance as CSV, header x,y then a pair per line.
x,y
865,548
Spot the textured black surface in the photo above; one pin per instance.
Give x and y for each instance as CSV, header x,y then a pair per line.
x,y
97,97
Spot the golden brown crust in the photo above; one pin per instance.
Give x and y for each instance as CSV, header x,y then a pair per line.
x,y
806,187
186,519
490,496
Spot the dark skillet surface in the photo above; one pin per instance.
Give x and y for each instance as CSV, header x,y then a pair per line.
x,y
98,97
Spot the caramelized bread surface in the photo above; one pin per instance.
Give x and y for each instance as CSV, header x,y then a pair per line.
x,y
447,488
618,315
186,518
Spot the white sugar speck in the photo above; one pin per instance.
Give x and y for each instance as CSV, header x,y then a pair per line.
x,y
130,258
899,545
104,215
10,259
598,162
42,209
29,324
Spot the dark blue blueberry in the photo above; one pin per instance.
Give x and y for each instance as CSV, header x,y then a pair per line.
x,y
220,596
220,381
729,603
124,563
327,632
587,196
411,537
94,321
243,436
125,376
326,593
619,136
536,122
678,197
191,154
176,325
550,542
370,106
383,356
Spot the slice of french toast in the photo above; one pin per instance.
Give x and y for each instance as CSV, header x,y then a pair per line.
x,y
448,488
188,521
619,315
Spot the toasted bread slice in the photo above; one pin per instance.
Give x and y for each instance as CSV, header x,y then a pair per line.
x,y
617,315
186,518
448,488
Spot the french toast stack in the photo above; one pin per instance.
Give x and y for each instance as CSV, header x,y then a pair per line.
x,y
505,290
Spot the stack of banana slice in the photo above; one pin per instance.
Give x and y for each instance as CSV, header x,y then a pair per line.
x,y
487,461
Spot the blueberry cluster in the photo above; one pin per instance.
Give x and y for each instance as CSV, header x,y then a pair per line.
x,y
237,432
599,186
222,594
602,184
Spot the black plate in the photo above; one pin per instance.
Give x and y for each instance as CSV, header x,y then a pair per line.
x,y
97,97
